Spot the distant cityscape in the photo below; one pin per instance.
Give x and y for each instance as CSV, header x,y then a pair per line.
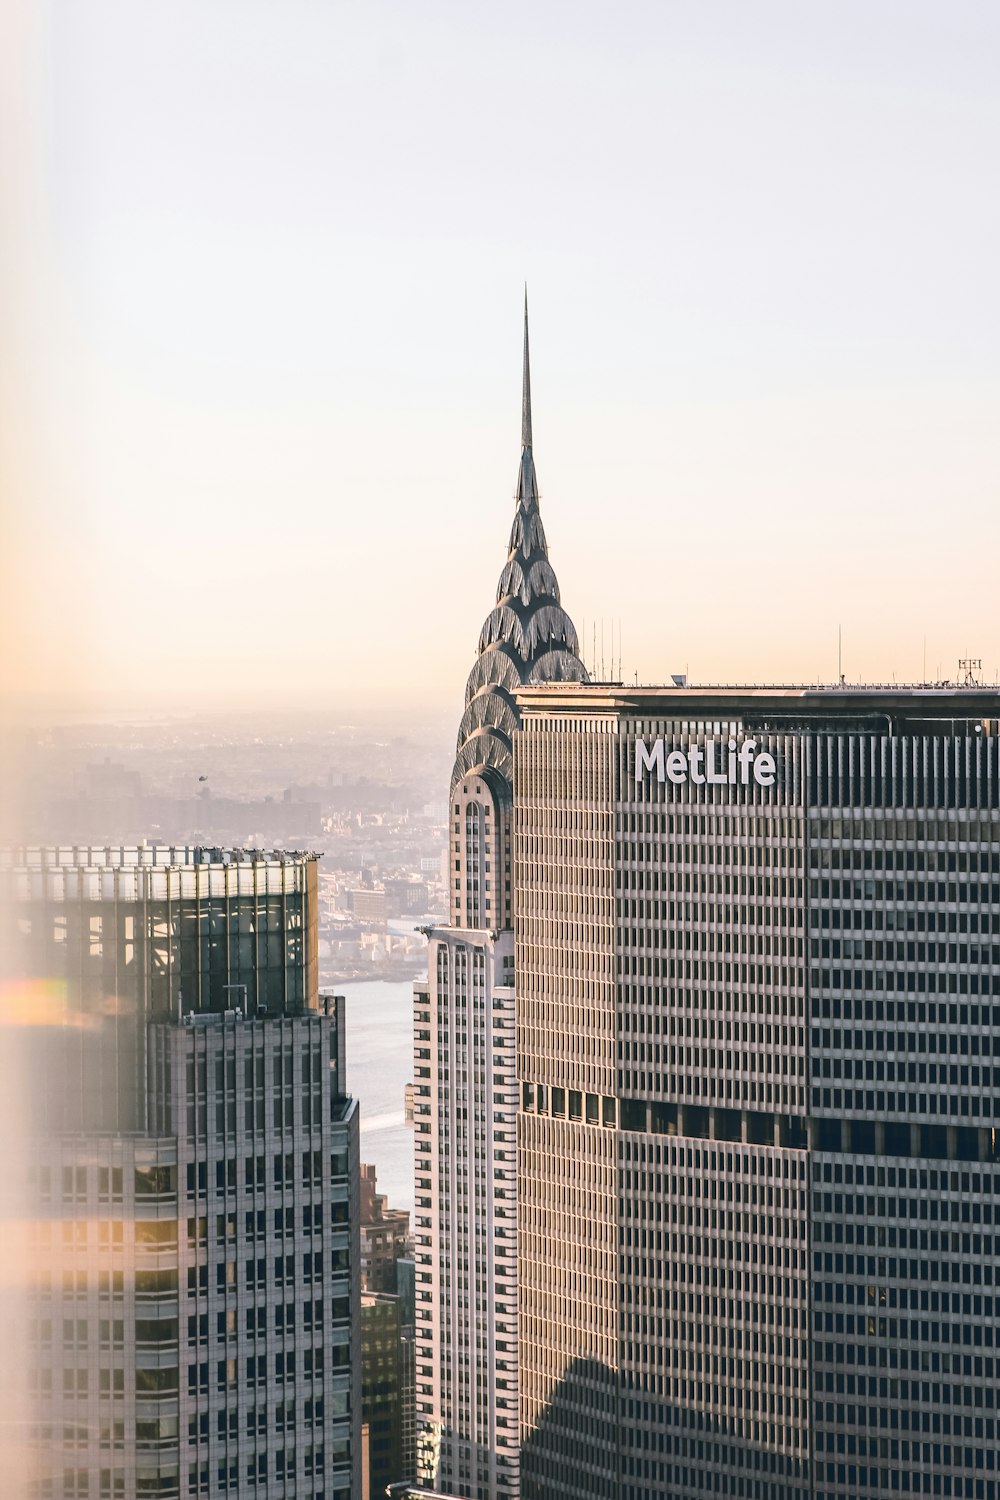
x,y
703,990
367,799
444,1054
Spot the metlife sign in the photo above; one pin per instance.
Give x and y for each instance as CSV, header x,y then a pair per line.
x,y
720,763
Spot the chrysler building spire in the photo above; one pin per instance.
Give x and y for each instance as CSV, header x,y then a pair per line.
x,y
527,637
526,383
467,1341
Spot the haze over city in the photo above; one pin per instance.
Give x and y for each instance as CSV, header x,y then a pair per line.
x,y
261,341
464,1031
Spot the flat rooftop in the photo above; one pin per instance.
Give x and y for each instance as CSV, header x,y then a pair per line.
x,y
868,701
141,856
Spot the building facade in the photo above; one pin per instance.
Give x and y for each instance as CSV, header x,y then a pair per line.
x,y
757,958
192,1290
385,1235
381,1394
465,1089
388,1413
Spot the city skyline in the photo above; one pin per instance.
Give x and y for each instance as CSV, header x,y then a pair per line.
x,y
712,976
764,314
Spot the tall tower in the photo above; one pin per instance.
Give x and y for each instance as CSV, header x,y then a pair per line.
x,y
190,1281
757,938
466,1086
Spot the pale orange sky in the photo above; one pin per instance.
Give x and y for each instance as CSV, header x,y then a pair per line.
x,y
260,340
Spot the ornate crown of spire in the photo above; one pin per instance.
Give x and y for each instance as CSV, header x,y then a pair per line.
x,y
527,637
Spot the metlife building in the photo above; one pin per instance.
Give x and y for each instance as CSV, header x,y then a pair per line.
x,y
757,957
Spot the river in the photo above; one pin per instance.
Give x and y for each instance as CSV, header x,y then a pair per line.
x,y
379,1065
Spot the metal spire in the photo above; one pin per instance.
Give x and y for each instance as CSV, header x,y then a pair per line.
x,y
527,636
526,384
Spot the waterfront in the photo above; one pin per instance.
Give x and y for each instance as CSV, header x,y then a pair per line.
x,y
379,1065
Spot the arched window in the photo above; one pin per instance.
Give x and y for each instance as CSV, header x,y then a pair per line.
x,y
475,864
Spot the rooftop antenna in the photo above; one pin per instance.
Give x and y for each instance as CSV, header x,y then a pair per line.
x,y
840,655
602,649
970,665
526,383
593,657
925,661
619,648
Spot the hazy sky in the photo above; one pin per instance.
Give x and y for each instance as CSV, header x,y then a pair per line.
x,y
261,322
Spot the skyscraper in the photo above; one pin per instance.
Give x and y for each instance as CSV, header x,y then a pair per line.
x,y
465,1091
757,947
193,1287
387,1341
381,1415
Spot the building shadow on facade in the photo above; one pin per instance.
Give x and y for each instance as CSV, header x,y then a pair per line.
x,y
573,1451
603,1438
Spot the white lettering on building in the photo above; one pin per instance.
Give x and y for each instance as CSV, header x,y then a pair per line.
x,y
720,763
649,761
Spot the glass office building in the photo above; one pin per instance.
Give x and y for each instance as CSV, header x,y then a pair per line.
x,y
191,1204
757,958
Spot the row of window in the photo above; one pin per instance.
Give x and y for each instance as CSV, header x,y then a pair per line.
x,y
948,860
261,1466
81,1484
970,1145
255,1223
283,1272
257,1319
948,1268
883,825
934,1392
261,1368
944,893
78,1182
897,919
922,1178
719,823
857,1479
901,981
255,1174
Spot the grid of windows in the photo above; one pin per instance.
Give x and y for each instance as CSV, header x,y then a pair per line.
x,y
568,1335
906,1326
466,1224
800,982
194,1323
904,964
711,920
713,1269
